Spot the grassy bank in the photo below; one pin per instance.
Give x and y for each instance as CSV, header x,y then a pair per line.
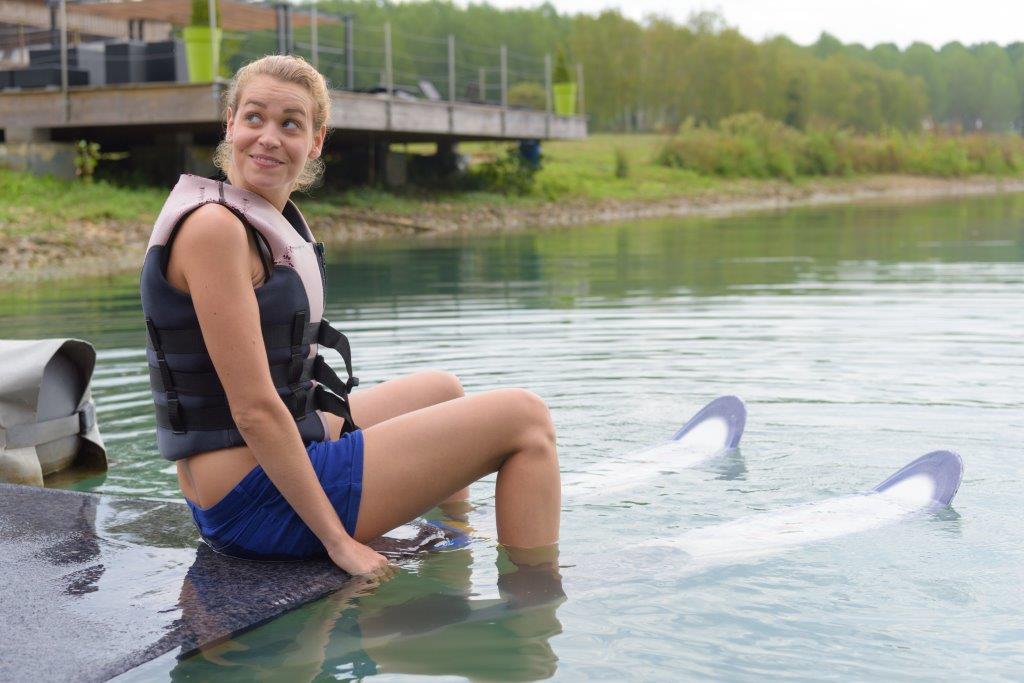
x,y
50,227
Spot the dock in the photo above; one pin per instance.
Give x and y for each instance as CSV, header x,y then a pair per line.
x,y
108,111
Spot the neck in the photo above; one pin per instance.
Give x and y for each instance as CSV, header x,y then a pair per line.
x,y
278,197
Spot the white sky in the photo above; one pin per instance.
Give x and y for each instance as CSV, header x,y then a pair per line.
x,y
852,21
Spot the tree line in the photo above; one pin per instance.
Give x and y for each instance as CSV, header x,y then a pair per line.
x,y
658,74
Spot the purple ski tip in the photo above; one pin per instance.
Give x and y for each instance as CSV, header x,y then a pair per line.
x,y
945,470
730,410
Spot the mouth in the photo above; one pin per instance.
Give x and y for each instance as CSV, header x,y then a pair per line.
x,y
265,161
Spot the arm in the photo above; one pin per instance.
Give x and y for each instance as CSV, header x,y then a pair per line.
x,y
216,269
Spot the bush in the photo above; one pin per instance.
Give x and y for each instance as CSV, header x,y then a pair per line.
x,y
749,145
621,163
510,174
529,95
201,13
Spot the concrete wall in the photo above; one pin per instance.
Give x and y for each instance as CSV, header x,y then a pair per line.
x,y
41,158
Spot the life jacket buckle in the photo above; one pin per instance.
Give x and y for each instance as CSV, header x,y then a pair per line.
x,y
174,413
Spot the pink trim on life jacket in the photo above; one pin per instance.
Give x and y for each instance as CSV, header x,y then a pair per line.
x,y
287,247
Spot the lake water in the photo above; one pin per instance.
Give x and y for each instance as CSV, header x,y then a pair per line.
x,y
860,337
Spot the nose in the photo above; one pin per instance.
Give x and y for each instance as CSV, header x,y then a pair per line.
x,y
268,138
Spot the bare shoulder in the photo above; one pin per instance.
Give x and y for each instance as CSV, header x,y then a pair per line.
x,y
212,226
210,239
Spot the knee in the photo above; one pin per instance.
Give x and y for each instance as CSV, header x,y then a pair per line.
x,y
533,419
445,386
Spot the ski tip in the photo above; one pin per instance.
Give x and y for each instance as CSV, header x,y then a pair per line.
x,y
726,416
943,470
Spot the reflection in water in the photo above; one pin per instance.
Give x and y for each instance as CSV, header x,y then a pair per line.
x,y
846,328
424,621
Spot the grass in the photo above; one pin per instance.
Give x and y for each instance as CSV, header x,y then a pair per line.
x,y
29,202
736,158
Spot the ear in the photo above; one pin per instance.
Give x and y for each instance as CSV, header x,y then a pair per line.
x,y
229,122
318,142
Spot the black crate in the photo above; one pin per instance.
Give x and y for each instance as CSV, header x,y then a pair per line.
x,y
42,76
87,56
165,61
6,79
126,61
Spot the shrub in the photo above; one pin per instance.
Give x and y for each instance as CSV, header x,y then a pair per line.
x,y
749,145
621,163
560,73
201,13
529,95
510,174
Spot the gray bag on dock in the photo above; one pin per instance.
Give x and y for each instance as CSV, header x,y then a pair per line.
x,y
47,416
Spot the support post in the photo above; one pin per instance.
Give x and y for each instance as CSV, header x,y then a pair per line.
x,y
350,63
481,84
389,75
64,59
313,37
504,88
289,32
214,43
581,108
451,68
548,99
279,10
547,83
451,83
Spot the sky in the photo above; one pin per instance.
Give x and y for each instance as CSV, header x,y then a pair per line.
x,y
853,21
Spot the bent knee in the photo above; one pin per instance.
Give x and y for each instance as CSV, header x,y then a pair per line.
x,y
444,386
532,417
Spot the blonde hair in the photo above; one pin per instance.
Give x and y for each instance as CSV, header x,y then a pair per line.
x,y
289,69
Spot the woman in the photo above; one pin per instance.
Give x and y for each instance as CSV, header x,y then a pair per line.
x,y
233,305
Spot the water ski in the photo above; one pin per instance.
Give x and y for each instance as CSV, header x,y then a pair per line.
x,y
713,430
927,483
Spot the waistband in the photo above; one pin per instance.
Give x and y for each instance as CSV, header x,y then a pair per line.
x,y
244,494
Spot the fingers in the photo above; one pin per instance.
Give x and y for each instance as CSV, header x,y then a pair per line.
x,y
384,570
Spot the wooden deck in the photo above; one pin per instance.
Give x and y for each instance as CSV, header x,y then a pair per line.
x,y
189,106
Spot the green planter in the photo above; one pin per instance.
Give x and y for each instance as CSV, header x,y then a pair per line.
x,y
198,46
565,98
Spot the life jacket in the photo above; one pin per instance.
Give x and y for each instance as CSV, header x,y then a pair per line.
x,y
47,415
192,413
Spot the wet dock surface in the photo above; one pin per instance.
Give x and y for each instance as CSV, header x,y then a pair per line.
x,y
96,585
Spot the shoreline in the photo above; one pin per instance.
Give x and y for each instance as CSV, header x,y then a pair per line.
x,y
116,247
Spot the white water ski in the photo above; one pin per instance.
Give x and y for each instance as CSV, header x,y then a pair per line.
x,y
928,483
711,432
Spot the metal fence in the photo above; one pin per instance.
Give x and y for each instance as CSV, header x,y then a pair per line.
x,y
379,59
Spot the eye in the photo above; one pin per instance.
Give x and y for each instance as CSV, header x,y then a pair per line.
x,y
297,124
252,115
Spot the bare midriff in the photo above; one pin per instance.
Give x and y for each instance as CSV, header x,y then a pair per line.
x,y
205,478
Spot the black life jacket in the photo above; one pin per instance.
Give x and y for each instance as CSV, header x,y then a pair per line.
x,y
192,413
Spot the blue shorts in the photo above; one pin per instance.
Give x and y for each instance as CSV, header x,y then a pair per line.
x,y
255,522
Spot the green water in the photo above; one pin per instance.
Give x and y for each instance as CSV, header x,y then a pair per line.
x,y
860,337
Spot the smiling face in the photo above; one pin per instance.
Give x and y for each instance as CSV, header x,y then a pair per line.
x,y
272,135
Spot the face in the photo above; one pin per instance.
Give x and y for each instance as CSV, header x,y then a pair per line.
x,y
272,136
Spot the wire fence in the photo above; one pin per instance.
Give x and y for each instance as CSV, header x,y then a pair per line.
x,y
362,58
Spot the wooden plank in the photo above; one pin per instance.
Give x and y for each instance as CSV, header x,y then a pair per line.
x,y
419,117
173,104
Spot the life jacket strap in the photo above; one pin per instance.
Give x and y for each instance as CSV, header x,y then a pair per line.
x,y
190,340
328,402
333,339
173,407
208,384
218,417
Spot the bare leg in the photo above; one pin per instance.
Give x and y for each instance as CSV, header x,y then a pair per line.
x,y
414,461
405,395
